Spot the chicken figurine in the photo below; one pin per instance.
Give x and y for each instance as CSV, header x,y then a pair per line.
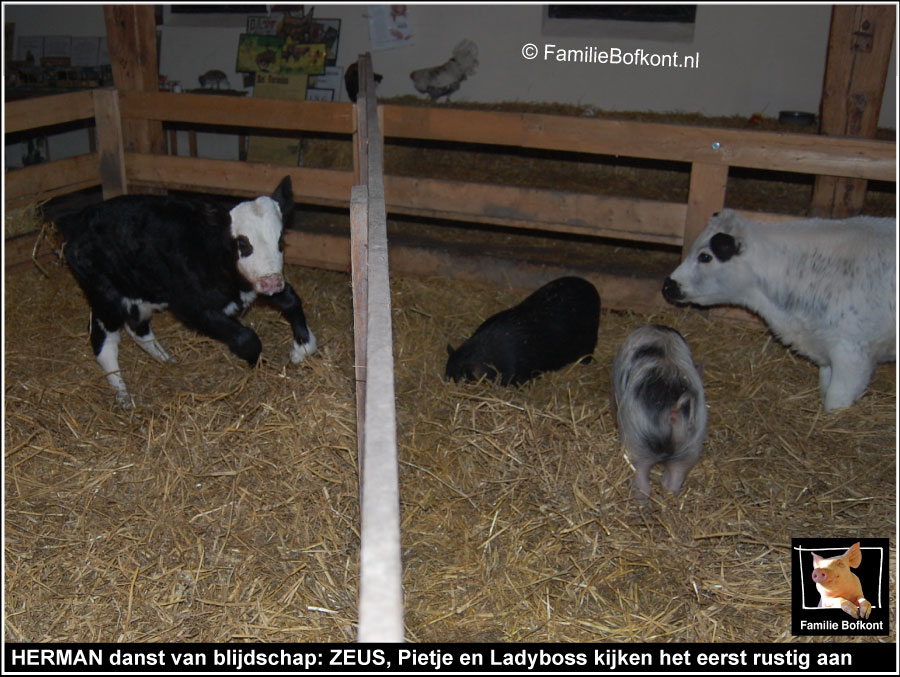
x,y
443,80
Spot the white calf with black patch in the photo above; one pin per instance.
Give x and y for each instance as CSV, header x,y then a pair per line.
x,y
826,288
137,254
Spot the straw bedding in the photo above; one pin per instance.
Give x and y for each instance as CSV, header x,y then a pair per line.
x,y
224,506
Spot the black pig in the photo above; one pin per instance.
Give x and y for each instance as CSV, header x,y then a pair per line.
x,y
555,326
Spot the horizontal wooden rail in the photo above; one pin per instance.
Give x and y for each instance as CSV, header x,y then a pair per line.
x,y
45,111
801,153
309,116
710,151
245,179
548,210
47,180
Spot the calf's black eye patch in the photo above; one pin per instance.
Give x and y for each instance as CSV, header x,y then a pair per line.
x,y
244,246
724,246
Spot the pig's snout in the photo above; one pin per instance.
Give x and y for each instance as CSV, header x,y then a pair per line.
x,y
820,576
269,284
671,291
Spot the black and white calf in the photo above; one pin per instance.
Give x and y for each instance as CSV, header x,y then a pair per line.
x,y
135,254
825,287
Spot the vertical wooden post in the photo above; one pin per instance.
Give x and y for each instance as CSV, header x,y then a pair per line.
x,y
110,145
131,34
859,51
706,196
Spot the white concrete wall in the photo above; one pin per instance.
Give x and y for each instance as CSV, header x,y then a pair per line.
x,y
752,58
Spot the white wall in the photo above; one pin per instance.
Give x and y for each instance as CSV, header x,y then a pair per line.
x,y
753,58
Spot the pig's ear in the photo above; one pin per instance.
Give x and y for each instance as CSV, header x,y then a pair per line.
x,y
700,366
450,350
853,555
816,559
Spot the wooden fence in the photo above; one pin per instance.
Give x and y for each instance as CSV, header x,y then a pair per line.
x,y
370,195
709,152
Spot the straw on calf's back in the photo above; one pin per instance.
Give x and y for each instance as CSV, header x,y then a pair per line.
x,y
135,254
555,326
825,287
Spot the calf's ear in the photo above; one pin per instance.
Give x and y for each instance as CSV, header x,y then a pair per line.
x,y
284,196
724,246
450,349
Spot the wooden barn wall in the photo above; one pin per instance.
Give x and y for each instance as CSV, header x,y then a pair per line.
x,y
751,41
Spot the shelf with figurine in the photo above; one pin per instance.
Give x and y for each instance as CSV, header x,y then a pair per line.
x,y
52,76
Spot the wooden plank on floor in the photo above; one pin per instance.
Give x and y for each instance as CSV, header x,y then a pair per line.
x,y
380,576
359,245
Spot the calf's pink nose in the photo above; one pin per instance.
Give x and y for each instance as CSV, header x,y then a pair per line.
x,y
270,284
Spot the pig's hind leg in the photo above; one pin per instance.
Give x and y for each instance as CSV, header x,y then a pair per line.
x,y
640,488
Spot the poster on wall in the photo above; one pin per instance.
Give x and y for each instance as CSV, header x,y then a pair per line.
x,y
389,26
327,31
331,79
298,57
277,150
259,54
319,94
262,25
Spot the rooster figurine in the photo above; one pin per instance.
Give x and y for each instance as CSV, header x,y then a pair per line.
x,y
443,80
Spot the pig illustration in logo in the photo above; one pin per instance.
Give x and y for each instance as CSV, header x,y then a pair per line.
x,y
838,585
